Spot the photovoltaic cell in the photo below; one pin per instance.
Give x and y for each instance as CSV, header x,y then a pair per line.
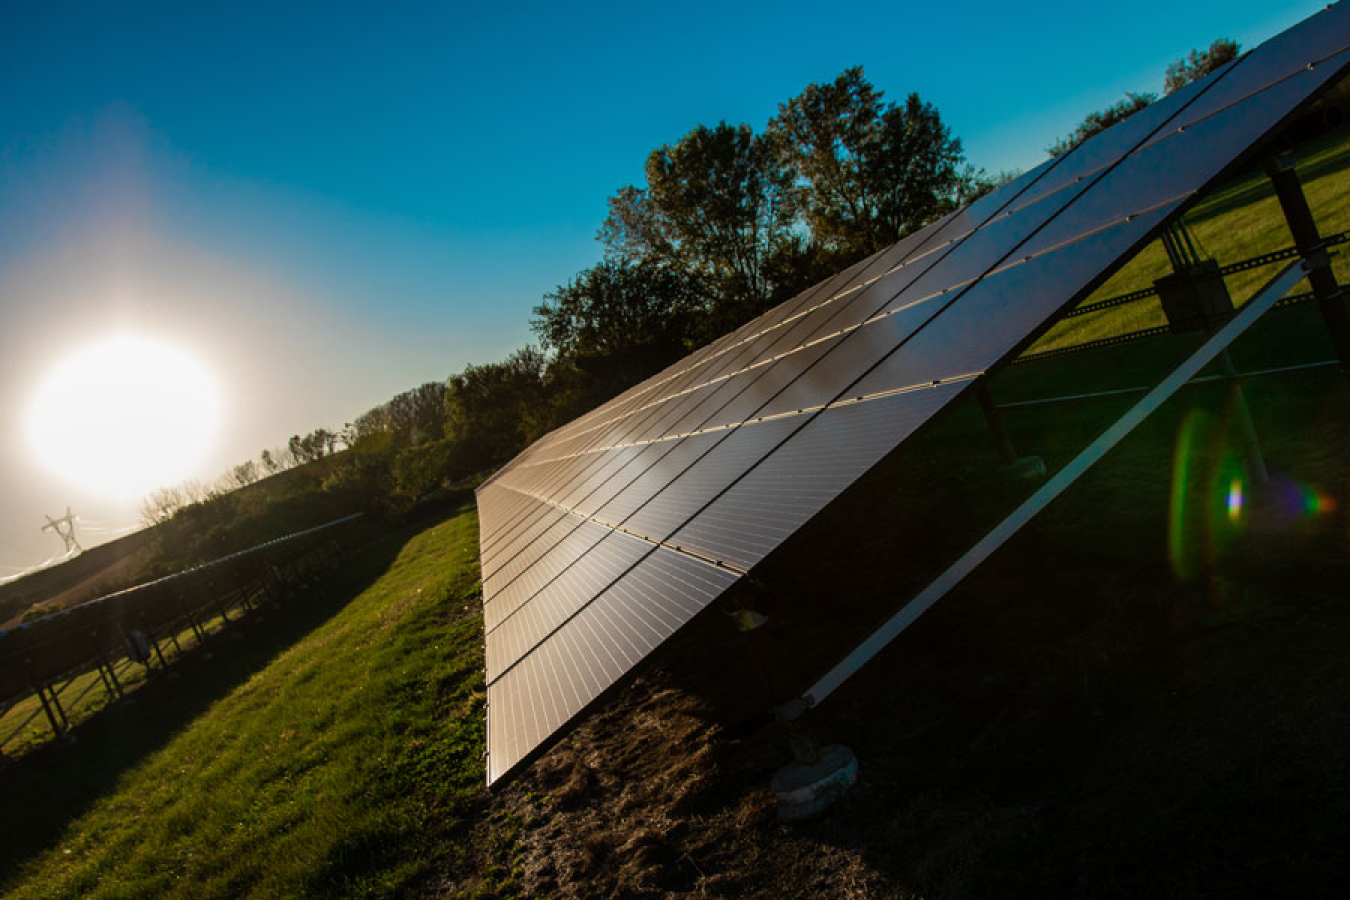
x,y
607,535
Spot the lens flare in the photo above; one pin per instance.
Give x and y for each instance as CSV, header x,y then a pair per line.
x,y
1209,501
1315,503
1234,500
1180,527
1299,502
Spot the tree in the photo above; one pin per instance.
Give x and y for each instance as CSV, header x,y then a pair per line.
x,y
1099,121
618,322
161,504
242,475
299,448
495,409
316,445
634,230
420,469
717,206
369,424
871,171
1199,63
419,414
271,465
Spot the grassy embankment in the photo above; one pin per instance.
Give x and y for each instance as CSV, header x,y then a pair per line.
x,y
335,751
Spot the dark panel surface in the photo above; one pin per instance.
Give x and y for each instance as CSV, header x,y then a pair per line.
x,y
607,535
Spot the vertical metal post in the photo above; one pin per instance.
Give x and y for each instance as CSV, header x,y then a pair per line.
x,y
991,415
192,619
217,599
1246,429
112,673
42,698
46,707
56,703
154,641
107,685
1289,191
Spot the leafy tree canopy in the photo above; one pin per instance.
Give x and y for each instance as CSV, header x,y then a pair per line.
x,y
718,205
870,171
497,408
1102,119
419,414
620,321
1199,63
1192,67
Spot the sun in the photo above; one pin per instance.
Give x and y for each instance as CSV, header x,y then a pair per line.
x,y
124,415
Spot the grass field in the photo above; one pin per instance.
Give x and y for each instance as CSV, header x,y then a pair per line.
x,y
1124,701
336,751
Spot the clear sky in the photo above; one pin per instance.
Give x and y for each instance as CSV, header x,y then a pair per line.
x,y
326,204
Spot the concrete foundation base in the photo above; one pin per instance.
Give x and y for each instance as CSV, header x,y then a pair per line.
x,y
1027,468
806,790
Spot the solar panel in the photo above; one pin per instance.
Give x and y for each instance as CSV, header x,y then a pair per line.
x,y
606,536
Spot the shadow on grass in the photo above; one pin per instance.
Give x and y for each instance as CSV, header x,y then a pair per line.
x,y
43,792
1253,185
1080,718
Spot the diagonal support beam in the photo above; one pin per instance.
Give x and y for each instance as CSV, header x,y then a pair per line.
x,y
1263,300
1303,227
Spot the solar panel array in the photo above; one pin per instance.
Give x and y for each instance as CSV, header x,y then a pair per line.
x,y
602,539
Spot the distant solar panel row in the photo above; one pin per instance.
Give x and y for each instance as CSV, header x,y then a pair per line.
x,y
606,536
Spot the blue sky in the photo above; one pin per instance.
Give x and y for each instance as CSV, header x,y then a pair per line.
x,y
334,202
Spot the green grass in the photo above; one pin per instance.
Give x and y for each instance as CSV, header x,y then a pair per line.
x,y
345,763
1237,221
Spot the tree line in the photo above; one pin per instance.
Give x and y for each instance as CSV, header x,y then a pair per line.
x,y
726,223
1192,67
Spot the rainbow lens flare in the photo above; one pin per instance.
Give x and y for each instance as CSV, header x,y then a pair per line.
x,y
1234,499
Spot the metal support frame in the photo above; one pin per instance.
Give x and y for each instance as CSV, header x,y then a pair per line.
x,y
218,600
186,607
1303,227
1195,297
106,665
991,415
1027,467
102,670
58,728
154,641
116,692
1259,304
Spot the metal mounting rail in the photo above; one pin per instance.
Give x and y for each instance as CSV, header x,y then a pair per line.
x,y
1262,302
1241,265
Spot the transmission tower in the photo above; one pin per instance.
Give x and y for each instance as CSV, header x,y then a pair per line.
x,y
68,534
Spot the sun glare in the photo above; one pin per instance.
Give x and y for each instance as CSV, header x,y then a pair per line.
x,y
123,416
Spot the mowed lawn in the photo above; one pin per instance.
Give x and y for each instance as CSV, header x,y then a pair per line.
x,y
349,763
